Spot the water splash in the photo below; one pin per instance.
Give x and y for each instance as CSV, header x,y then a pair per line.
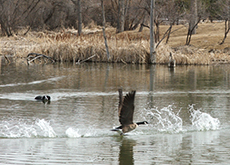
x,y
203,121
46,129
15,128
71,133
166,120
89,132
10,129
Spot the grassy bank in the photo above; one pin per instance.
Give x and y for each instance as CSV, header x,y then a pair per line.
x,y
126,47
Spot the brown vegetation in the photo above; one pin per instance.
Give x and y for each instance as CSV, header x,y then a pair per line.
x,y
126,47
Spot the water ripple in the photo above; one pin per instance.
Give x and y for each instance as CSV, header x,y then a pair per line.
x,y
33,82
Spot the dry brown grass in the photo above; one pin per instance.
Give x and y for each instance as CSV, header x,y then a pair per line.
x,y
126,47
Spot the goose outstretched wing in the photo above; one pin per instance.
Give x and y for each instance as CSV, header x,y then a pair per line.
x,y
126,108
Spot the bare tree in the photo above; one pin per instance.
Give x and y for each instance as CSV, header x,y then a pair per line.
x,y
226,15
137,15
79,17
127,14
13,14
190,32
131,13
193,16
152,42
121,16
192,21
103,28
142,24
226,30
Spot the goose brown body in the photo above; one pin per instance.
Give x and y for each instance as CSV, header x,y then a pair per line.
x,y
125,112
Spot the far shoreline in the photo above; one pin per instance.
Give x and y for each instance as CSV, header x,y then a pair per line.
x,y
127,47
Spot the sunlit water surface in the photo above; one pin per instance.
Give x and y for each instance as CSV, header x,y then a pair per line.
x,y
187,110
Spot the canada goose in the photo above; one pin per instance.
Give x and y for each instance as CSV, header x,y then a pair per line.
x,y
44,99
172,61
125,112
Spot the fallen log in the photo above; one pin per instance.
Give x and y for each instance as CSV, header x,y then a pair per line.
x,y
31,57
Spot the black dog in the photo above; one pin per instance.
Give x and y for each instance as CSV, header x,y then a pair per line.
x,y
44,99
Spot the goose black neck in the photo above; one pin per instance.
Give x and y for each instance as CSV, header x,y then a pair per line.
x,y
142,122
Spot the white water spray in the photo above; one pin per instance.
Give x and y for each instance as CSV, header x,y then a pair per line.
x,y
71,133
46,129
166,120
203,121
16,128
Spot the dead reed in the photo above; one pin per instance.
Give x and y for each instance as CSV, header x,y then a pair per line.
x,y
127,47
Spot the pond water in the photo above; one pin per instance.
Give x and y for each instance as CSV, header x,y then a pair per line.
x,y
188,111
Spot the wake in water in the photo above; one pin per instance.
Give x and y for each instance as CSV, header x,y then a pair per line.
x,y
40,128
166,120
33,82
15,128
163,120
76,133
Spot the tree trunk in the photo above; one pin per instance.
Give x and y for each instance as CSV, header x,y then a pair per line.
x,y
226,30
103,28
193,16
79,17
121,16
167,33
152,42
228,13
189,34
157,31
142,24
127,14
227,23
